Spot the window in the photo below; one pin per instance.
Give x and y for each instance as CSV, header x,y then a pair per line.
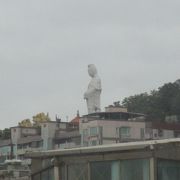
x,y
120,170
124,132
101,170
39,144
160,132
142,133
44,175
93,131
36,177
100,135
47,174
62,145
77,172
176,134
85,143
85,132
134,169
85,137
93,143
168,170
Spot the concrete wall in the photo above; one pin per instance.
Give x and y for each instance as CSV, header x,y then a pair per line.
x,y
162,134
168,134
19,132
15,134
109,129
29,131
5,152
144,156
48,130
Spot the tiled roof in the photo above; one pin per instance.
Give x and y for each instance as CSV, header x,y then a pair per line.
x,y
75,120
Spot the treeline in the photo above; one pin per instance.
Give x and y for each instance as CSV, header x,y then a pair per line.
x,y
5,134
158,103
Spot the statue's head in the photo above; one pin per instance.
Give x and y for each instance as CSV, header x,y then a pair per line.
x,y
92,70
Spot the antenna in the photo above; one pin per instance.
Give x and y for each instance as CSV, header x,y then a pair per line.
x,y
58,119
67,118
78,113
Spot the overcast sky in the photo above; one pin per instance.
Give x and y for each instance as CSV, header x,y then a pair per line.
x,y
45,47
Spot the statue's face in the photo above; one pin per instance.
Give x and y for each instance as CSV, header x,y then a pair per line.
x,y
92,70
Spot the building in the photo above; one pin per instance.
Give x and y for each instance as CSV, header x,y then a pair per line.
x,y
50,135
25,138
70,137
112,126
116,125
6,150
161,130
143,160
13,170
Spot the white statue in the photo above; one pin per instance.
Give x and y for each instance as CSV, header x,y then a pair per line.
x,y
92,95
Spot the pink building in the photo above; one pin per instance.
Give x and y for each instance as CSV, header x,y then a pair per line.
x,y
113,126
117,125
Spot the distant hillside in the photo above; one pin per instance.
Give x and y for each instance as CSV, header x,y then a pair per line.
x,y
158,103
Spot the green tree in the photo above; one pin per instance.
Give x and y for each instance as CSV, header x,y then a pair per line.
x,y
158,103
168,99
1,134
25,123
143,103
39,118
175,106
6,133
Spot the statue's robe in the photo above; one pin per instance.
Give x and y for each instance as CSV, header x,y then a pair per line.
x,y
93,95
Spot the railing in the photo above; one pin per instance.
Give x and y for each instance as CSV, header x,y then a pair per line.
x,y
23,151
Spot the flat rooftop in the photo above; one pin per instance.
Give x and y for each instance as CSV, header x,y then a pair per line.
x,y
114,116
130,146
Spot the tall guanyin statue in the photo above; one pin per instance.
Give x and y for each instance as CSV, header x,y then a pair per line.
x,y
92,95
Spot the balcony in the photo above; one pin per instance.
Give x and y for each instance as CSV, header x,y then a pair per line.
x,y
24,150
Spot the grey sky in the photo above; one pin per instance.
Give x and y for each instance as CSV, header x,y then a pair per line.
x,y
45,47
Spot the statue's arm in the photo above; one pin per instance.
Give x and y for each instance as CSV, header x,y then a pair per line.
x,y
95,86
88,93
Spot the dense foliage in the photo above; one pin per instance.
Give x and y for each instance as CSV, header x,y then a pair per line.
x,y
37,119
25,123
158,103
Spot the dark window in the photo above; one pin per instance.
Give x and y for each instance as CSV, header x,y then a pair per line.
x,y
168,170
120,170
160,132
77,172
47,174
101,171
36,177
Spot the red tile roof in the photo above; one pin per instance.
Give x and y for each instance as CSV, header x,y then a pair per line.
x,y
168,126
75,121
